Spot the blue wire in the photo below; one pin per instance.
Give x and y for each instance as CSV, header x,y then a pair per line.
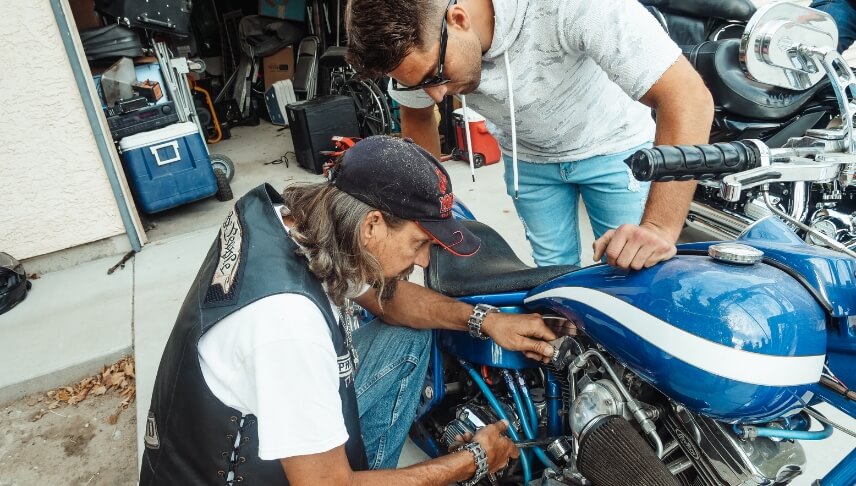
x,y
789,434
527,400
519,407
494,403
526,429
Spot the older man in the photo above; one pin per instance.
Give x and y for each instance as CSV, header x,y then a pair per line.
x,y
263,381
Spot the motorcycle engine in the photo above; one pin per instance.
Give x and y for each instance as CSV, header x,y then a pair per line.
x,y
617,426
826,207
695,450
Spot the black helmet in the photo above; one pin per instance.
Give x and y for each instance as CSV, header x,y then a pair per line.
x,y
13,282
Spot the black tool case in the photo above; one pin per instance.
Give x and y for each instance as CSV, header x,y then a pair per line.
x,y
314,123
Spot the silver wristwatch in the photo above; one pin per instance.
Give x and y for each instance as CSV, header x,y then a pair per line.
x,y
474,324
480,457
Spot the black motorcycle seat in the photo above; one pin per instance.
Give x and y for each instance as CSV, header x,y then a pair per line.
x,y
334,57
718,64
494,269
740,10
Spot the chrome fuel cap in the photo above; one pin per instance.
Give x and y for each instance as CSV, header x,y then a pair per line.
x,y
735,253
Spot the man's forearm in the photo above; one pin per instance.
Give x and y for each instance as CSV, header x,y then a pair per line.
x,y
420,124
448,469
419,307
683,118
667,206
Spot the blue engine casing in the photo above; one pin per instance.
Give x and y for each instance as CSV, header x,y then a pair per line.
x,y
735,343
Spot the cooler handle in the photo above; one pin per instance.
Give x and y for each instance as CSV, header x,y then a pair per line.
x,y
155,152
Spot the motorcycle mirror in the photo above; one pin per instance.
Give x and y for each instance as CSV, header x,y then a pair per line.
x,y
777,44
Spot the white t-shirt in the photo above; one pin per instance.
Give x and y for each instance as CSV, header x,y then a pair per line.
x,y
578,69
275,359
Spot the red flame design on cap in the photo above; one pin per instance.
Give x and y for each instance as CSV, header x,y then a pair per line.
x,y
446,202
442,182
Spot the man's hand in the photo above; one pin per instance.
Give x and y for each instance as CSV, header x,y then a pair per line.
x,y
498,447
634,247
520,332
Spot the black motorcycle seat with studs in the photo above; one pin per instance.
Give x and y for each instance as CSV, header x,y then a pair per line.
x,y
494,269
718,64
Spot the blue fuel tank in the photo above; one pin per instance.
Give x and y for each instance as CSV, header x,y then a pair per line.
x,y
732,342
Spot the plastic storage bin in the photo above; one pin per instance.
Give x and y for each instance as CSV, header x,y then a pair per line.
x,y
167,167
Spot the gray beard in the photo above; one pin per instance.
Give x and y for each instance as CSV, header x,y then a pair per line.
x,y
391,284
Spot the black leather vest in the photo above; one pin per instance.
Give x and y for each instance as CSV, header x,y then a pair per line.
x,y
190,434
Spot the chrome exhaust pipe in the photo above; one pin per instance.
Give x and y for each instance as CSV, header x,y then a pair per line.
x,y
715,222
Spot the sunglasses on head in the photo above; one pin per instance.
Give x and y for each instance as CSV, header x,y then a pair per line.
x,y
440,78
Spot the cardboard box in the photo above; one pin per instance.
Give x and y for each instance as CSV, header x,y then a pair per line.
x,y
283,9
279,66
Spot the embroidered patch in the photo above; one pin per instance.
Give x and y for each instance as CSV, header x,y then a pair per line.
x,y
151,439
346,368
230,253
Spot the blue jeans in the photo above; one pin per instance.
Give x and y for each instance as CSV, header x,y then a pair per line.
x,y
845,17
393,361
547,202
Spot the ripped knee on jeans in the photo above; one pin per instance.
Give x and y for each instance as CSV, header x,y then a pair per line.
x,y
633,185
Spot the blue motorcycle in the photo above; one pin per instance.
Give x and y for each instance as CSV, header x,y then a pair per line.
x,y
717,357
704,370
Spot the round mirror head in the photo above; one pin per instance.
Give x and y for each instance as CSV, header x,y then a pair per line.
x,y
769,47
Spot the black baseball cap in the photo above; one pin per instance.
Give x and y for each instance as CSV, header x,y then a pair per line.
x,y
398,176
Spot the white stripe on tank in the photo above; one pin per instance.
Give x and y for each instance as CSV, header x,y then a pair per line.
x,y
715,358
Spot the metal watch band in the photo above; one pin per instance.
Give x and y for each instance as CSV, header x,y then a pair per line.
x,y
480,458
474,324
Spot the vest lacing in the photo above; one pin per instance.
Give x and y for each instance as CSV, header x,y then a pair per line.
x,y
233,457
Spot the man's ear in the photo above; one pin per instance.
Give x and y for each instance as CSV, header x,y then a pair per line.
x,y
457,16
372,226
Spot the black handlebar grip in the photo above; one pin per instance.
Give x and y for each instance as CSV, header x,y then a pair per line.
x,y
688,162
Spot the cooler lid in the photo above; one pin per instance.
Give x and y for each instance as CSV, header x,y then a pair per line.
x,y
472,116
145,139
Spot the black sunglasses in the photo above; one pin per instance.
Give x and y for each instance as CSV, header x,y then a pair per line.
x,y
439,79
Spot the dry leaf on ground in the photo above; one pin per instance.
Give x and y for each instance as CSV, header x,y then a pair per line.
x,y
119,376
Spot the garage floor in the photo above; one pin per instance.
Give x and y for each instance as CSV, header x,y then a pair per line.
x,y
257,153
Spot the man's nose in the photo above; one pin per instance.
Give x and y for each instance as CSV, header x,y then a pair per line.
x,y
437,92
423,257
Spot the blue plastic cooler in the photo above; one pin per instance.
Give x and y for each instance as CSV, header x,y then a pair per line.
x,y
168,167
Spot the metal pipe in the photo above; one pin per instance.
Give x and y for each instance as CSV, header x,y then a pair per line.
x,y
494,403
720,224
750,432
835,245
527,400
635,409
821,418
524,423
800,198
553,396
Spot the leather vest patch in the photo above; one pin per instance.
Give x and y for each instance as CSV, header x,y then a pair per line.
x,y
346,369
229,260
151,439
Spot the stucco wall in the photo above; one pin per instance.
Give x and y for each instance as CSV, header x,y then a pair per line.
x,y
54,191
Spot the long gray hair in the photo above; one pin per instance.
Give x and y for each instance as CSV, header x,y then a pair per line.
x,y
327,223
